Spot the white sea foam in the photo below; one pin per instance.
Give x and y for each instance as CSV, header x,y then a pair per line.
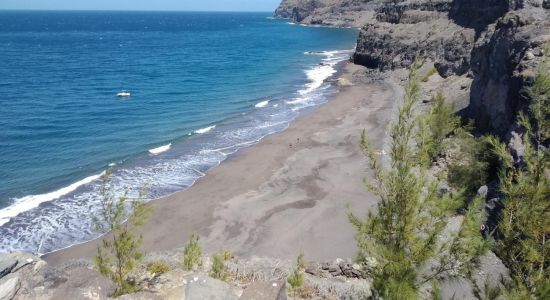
x,y
318,74
262,104
297,100
205,130
160,149
32,201
53,226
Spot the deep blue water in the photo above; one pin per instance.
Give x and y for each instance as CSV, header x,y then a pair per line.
x,y
61,124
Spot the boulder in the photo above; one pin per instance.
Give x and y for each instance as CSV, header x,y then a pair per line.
x,y
335,270
8,287
202,287
266,290
140,296
12,262
81,283
23,259
482,191
7,264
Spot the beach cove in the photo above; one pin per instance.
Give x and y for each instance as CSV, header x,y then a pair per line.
x,y
289,192
196,98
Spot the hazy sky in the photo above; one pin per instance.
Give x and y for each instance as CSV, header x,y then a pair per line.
x,y
196,5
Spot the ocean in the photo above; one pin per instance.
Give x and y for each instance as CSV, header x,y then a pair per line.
x,y
202,86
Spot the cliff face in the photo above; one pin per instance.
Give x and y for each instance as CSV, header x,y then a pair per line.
x,y
498,43
504,62
352,13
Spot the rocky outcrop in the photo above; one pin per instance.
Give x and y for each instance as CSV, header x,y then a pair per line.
x,y
201,287
15,268
504,62
28,277
342,13
498,43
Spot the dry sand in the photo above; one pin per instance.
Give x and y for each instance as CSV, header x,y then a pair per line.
x,y
290,192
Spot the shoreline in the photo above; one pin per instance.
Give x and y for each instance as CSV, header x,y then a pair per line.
x,y
206,149
253,201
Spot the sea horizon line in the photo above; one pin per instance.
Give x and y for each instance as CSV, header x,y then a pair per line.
x,y
130,10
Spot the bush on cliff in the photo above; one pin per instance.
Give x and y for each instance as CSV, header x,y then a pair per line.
x,y
296,279
434,127
192,253
119,252
403,235
158,267
524,227
471,162
219,270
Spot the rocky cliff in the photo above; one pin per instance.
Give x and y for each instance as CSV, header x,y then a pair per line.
x,y
497,43
348,13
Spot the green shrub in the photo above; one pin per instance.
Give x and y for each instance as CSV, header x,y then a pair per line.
x,y
434,127
471,163
296,280
158,267
524,225
119,252
192,253
402,234
219,270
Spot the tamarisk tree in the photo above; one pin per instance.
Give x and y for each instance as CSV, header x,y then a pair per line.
x,y
119,251
524,226
403,234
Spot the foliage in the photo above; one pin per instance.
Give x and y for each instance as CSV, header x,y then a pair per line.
x,y
119,252
192,253
403,235
219,270
540,107
158,267
469,168
524,225
296,280
435,126
490,292
539,110
435,292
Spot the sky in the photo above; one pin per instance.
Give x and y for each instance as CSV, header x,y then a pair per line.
x,y
176,5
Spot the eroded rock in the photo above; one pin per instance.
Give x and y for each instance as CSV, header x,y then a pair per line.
x,y
202,287
265,290
8,287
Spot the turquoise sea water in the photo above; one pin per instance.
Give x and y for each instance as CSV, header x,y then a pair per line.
x,y
203,85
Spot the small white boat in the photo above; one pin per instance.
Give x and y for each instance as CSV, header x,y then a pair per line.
x,y
123,94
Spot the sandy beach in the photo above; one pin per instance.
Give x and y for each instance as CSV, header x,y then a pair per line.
x,y
290,192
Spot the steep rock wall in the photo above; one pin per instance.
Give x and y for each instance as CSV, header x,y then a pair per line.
x,y
505,60
498,43
342,13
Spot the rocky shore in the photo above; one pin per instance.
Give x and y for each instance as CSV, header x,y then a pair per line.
x,y
498,44
24,276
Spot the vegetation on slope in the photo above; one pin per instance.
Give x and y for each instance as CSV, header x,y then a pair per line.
x,y
403,236
119,252
523,230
